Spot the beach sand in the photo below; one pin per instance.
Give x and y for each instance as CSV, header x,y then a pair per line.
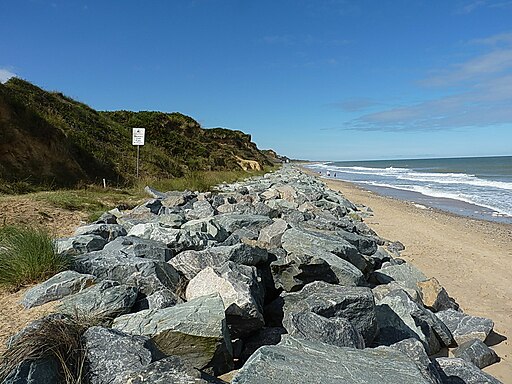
x,y
472,259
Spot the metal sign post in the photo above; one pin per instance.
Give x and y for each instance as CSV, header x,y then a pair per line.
x,y
138,140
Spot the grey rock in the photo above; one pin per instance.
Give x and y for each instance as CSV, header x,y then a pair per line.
x,y
200,210
232,222
458,371
148,275
307,362
151,207
414,349
364,244
328,300
380,291
190,263
186,240
465,327
271,235
77,245
208,226
107,218
282,206
294,271
40,371
139,247
336,331
399,318
160,299
264,336
62,284
196,331
240,290
153,192
108,231
298,241
476,352
106,299
346,273
405,274
396,247
168,370
155,231
110,354
170,219
177,198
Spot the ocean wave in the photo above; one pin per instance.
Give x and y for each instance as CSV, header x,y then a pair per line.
x,y
407,174
426,191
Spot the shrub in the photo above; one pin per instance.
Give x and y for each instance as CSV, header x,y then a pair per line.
x,y
27,255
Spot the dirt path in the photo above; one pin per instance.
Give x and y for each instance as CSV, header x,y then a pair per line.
x,y
471,259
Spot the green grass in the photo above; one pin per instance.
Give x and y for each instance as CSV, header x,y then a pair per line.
x,y
27,255
201,181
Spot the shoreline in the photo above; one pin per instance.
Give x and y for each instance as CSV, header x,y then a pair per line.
x,y
471,258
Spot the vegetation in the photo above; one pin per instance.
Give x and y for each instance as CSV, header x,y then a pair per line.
x,y
50,139
55,337
27,255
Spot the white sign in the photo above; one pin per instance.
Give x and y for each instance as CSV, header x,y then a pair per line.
x,y
138,136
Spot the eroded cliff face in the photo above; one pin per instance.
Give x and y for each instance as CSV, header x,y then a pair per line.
x,y
48,138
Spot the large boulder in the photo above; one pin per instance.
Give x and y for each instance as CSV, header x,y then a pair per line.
x,y
298,241
414,349
196,331
404,274
108,231
353,303
200,210
465,327
233,221
148,275
76,245
106,299
39,371
476,352
155,231
208,227
240,290
168,370
190,263
400,317
110,354
271,235
458,371
337,331
311,362
62,284
139,247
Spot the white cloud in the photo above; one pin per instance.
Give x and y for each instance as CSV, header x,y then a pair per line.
x,y
5,75
482,98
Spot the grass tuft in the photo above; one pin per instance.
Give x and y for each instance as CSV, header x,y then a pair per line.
x,y
55,337
27,255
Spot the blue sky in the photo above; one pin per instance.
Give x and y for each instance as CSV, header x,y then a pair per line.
x,y
312,79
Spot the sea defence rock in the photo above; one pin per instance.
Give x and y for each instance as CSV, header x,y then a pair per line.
x,y
240,290
465,327
107,299
196,331
277,274
305,361
62,284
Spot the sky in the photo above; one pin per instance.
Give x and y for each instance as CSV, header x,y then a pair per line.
x,y
311,79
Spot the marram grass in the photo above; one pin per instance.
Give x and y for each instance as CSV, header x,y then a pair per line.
x,y
27,255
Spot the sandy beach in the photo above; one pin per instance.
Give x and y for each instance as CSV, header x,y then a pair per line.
x,y
472,259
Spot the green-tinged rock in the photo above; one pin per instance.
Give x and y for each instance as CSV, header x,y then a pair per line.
x,y
196,331
308,362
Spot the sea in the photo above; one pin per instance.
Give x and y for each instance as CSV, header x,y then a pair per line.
x,y
476,187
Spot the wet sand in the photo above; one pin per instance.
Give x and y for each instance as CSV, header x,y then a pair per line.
x,y
471,258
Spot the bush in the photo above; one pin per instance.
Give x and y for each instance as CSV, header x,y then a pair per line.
x,y
27,255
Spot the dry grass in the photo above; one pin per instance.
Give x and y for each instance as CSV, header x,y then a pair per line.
x,y
54,337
